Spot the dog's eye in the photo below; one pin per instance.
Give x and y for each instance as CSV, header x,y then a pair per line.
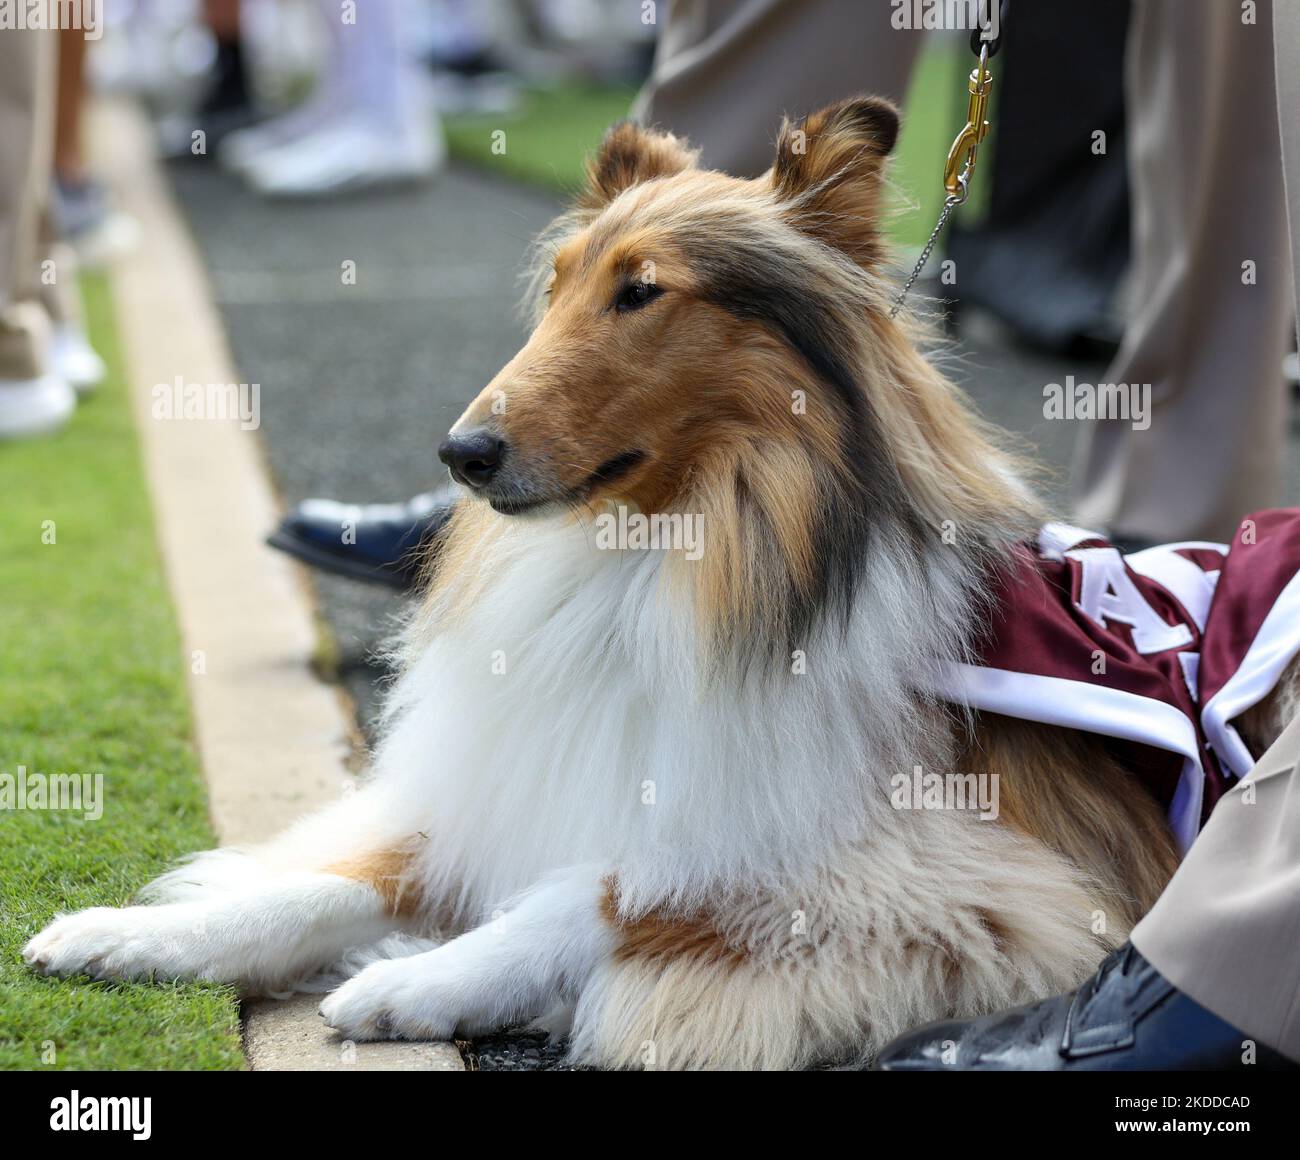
x,y
635,295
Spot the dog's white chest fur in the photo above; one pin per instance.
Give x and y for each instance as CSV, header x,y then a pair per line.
x,y
561,719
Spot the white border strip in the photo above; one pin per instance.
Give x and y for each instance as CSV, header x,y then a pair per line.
x,y
1188,583
1093,709
1274,647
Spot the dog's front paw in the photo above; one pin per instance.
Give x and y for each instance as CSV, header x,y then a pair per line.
x,y
104,943
397,999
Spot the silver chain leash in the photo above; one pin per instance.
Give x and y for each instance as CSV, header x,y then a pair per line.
x,y
949,204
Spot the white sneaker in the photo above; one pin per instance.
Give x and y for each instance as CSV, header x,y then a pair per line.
x,y
74,360
347,157
34,406
239,150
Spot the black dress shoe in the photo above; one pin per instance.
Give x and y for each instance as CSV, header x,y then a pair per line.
x,y
382,543
1127,1017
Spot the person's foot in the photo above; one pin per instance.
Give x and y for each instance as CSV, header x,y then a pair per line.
x,y
225,108
1127,1017
79,205
31,407
97,230
378,543
240,150
347,157
74,360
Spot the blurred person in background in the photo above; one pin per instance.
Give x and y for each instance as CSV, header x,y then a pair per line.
x,y
80,200
194,66
45,360
77,223
368,121
210,43
1209,204
33,400
227,105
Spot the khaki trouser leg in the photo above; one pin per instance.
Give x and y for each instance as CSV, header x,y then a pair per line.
x,y
726,70
1207,197
61,295
1227,931
27,74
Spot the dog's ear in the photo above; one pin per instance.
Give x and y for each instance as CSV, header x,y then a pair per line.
x,y
828,172
628,156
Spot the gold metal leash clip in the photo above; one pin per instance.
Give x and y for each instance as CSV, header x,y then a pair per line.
x,y
960,166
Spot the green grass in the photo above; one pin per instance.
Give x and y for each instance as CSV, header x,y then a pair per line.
x,y
92,681
546,139
549,136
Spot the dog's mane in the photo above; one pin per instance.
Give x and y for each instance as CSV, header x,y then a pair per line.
x,y
886,460
887,457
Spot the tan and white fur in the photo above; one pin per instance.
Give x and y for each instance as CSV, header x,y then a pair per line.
x,y
646,798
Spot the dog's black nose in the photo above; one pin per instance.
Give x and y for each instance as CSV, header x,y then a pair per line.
x,y
473,457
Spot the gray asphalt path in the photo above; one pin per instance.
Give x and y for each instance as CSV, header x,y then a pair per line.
x,y
360,382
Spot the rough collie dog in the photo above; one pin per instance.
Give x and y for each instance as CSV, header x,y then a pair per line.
x,y
647,794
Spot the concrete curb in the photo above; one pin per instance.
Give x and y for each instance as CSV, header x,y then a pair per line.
x,y
273,741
